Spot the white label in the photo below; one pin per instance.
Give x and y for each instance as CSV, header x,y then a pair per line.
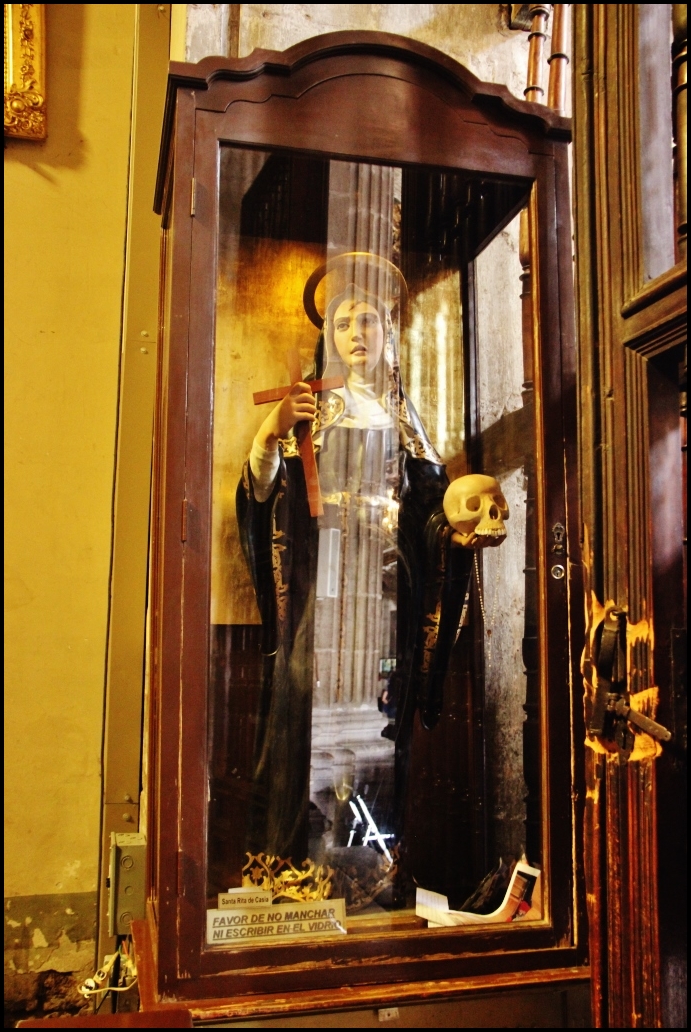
x,y
258,925
244,898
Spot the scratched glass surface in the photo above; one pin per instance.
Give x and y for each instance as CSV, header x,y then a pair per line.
x,y
340,769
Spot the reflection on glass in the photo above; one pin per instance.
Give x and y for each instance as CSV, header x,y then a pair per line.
x,y
656,136
347,711
508,587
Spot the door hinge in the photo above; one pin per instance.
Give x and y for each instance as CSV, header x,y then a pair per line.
x,y
612,717
183,521
193,198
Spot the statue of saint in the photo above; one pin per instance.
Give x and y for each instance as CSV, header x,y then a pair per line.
x,y
382,482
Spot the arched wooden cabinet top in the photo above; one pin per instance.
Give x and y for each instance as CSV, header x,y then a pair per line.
x,y
387,102
368,95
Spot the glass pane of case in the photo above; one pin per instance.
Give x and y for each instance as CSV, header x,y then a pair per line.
x,y
367,642
655,103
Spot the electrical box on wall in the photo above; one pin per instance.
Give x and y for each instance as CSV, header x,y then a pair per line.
x,y
127,881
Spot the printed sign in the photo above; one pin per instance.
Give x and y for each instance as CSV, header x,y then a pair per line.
x,y
244,898
278,923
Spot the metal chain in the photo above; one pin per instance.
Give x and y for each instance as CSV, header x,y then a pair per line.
x,y
488,626
479,586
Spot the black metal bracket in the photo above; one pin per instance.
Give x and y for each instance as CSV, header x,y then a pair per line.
x,y
612,717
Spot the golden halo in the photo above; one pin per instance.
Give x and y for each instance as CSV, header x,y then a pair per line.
x,y
356,265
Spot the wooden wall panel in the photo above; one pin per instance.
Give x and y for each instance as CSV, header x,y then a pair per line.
x,y
626,326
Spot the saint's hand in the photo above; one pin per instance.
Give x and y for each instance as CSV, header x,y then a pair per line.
x,y
297,406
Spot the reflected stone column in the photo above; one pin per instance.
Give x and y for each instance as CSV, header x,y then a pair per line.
x,y
348,629
505,426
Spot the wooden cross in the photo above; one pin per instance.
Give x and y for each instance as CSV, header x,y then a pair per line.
x,y
303,430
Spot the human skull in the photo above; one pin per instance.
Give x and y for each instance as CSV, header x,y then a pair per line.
x,y
476,509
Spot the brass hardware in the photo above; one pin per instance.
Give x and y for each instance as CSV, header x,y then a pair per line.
x,y
559,535
651,727
612,717
609,663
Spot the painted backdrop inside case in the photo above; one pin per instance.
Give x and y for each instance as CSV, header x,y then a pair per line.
x,y
339,589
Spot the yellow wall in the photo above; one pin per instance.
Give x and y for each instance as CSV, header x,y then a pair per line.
x,y
178,32
65,217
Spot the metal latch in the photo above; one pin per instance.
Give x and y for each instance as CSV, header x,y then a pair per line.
x,y
612,717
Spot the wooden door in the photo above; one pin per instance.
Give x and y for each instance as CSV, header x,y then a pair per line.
x,y
630,202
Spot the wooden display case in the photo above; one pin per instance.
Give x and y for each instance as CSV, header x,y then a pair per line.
x,y
258,160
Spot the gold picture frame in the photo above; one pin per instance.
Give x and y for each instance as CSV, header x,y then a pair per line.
x,y
25,71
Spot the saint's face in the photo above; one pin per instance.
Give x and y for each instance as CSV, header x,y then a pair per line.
x,y
358,336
